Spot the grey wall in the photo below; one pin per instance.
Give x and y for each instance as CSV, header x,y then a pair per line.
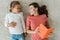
x,y
53,7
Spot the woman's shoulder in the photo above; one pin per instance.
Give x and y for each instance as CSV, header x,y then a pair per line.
x,y
44,15
29,16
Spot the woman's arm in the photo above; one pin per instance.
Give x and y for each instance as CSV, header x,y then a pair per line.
x,y
29,31
28,26
47,22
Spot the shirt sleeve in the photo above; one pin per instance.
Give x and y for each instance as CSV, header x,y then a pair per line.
x,y
28,23
47,22
23,23
6,21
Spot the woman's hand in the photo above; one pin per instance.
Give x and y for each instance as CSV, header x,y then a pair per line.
x,y
12,24
36,30
29,31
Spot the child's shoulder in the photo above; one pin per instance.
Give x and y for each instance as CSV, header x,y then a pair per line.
x,y
8,14
21,13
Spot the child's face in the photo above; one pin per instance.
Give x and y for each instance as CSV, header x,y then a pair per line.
x,y
16,9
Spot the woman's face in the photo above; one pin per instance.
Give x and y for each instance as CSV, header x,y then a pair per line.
x,y
32,10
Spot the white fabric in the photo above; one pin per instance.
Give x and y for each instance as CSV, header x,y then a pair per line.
x,y
20,25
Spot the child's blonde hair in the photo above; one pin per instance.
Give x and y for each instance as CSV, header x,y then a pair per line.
x,y
13,3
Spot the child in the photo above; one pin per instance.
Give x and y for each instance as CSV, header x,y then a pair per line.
x,y
14,21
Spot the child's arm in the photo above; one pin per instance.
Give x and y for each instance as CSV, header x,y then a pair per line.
x,y
23,24
7,24
28,26
6,21
12,24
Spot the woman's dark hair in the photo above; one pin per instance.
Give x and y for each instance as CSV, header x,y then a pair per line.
x,y
40,9
13,3
44,10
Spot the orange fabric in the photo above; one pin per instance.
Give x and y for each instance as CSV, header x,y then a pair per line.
x,y
43,32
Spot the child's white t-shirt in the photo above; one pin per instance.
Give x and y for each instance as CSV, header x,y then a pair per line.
x,y
20,25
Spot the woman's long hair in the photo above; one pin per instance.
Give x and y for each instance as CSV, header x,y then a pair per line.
x,y
44,10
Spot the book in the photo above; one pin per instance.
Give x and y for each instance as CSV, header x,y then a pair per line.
x,y
44,32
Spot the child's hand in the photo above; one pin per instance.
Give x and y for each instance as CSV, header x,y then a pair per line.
x,y
25,34
12,24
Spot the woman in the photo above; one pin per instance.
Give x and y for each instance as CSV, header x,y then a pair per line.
x,y
36,17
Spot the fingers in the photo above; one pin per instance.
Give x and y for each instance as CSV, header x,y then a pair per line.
x,y
12,24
